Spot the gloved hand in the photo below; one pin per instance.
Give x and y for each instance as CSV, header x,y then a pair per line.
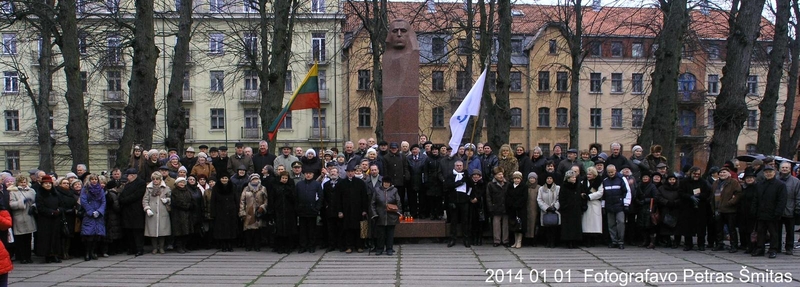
x,y
695,199
95,214
165,200
27,200
150,213
636,161
551,209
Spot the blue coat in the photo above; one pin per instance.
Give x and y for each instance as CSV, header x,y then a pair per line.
x,y
93,198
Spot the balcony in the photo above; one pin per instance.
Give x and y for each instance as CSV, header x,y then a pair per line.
x,y
186,96
112,134
189,135
317,133
691,132
458,95
251,133
323,96
113,97
250,97
691,98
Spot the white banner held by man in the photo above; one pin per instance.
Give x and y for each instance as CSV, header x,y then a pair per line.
x,y
471,106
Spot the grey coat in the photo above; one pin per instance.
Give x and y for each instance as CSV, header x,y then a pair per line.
x,y
378,206
792,195
159,224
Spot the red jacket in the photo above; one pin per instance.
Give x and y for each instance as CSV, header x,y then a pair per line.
x,y
5,259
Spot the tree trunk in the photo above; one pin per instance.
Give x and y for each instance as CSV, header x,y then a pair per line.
x,y
77,122
140,113
660,125
576,54
377,37
45,141
769,104
273,77
176,122
499,124
486,30
469,26
731,112
788,140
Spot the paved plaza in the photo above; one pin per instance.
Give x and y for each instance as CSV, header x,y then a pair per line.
x,y
423,264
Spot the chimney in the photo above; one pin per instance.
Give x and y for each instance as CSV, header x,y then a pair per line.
x,y
704,7
596,5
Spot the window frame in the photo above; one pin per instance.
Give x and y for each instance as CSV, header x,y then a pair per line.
x,y
616,118
543,116
10,82
9,43
596,118
364,117
637,83
752,119
637,118
543,81
616,83
562,117
617,49
12,160
437,81
217,117
713,86
437,117
216,84
12,120
515,82
752,85
637,50
216,43
595,83
363,80
516,117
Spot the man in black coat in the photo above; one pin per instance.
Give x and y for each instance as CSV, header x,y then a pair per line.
x,y
352,207
221,162
132,212
333,224
395,166
262,157
309,201
696,193
458,199
768,206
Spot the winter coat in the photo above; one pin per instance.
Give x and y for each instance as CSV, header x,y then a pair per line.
x,y
537,166
770,200
548,197
198,207
496,198
131,202
329,197
639,166
692,218
669,201
726,199
221,164
532,210
282,204
450,185
651,162
235,161
372,187
448,164
309,198
69,204
93,198
416,170
286,161
253,199
159,223
792,195
48,222
181,205
517,206
262,160
238,183
509,166
382,197
488,162
524,163
618,161
313,164
570,202
352,201
224,211
396,167
188,162
433,178
5,258
21,200
614,192
592,218
113,214
206,169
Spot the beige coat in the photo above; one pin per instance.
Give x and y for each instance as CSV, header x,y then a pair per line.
x,y
251,201
533,211
159,224
23,223
592,220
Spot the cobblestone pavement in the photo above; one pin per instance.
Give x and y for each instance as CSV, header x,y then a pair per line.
x,y
423,264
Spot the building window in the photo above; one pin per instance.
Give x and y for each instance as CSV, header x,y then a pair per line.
x,y
462,82
287,121
616,118
616,82
544,81
363,80
114,49
318,47
217,119
84,81
251,118
12,120
713,84
7,8
637,50
111,158
115,117
9,43
516,47
187,84
752,84
562,117
287,82
637,118
752,119
595,118
545,147
215,6
516,117
364,117
463,49
437,116
114,79
750,148
438,48
317,6
710,120
82,45
637,83
250,80
562,79
437,81
515,80
318,118
217,81
686,82
596,49
544,117
552,47
491,81
713,52
10,82
595,82
12,160
216,44
616,49
187,113
250,45
687,52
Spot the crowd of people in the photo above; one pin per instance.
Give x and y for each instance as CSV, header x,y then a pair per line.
x,y
351,201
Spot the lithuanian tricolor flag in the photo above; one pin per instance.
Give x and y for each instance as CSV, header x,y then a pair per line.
x,y
305,97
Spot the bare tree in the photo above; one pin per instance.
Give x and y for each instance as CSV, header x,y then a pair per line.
x,y
789,138
571,28
486,32
176,122
777,57
744,27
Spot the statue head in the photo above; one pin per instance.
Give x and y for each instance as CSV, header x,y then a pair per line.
x,y
401,36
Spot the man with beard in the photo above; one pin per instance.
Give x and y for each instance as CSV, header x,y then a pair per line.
x,y
694,219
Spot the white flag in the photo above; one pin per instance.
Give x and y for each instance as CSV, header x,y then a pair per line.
x,y
471,106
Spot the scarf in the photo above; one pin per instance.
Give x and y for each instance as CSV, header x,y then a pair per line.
x,y
463,187
95,191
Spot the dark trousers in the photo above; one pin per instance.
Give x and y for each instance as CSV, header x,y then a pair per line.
x,y
728,219
698,228
415,202
136,239
711,228
459,216
334,228
773,227
385,237
435,206
787,224
632,233
251,238
306,231
22,246
351,237
746,225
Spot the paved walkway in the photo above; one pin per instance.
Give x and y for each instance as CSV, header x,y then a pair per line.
x,y
424,264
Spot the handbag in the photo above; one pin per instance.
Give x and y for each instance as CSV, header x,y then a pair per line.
x,y
391,207
655,215
481,215
670,220
754,234
364,229
518,224
550,218
65,227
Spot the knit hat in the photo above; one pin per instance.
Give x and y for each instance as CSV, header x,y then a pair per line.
x,y
533,175
254,176
516,174
202,155
8,180
636,147
311,151
476,171
71,175
182,168
174,156
179,179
